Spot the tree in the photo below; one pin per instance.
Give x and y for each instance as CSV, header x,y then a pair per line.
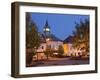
x,y
32,38
32,35
60,50
29,57
48,51
81,34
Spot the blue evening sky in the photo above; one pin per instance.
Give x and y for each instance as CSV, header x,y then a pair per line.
x,y
61,25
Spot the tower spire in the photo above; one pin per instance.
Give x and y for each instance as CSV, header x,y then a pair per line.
x,y
46,23
46,29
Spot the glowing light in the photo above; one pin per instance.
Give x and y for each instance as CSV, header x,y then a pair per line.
x,y
66,48
55,48
47,39
46,29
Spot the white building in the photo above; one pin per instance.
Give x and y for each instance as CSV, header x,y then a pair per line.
x,y
54,45
48,39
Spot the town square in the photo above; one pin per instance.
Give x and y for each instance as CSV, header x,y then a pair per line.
x,y
56,39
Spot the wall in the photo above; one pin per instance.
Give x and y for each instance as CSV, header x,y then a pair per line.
x,y
5,40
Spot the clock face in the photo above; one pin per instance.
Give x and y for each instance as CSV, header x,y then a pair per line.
x,y
46,29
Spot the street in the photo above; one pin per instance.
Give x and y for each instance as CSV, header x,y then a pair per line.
x,y
58,61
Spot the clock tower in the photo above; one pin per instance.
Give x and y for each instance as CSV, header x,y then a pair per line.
x,y
46,30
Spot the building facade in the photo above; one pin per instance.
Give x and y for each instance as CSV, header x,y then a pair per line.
x,y
48,39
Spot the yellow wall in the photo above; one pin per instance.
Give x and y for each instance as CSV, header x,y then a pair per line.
x,y
66,48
